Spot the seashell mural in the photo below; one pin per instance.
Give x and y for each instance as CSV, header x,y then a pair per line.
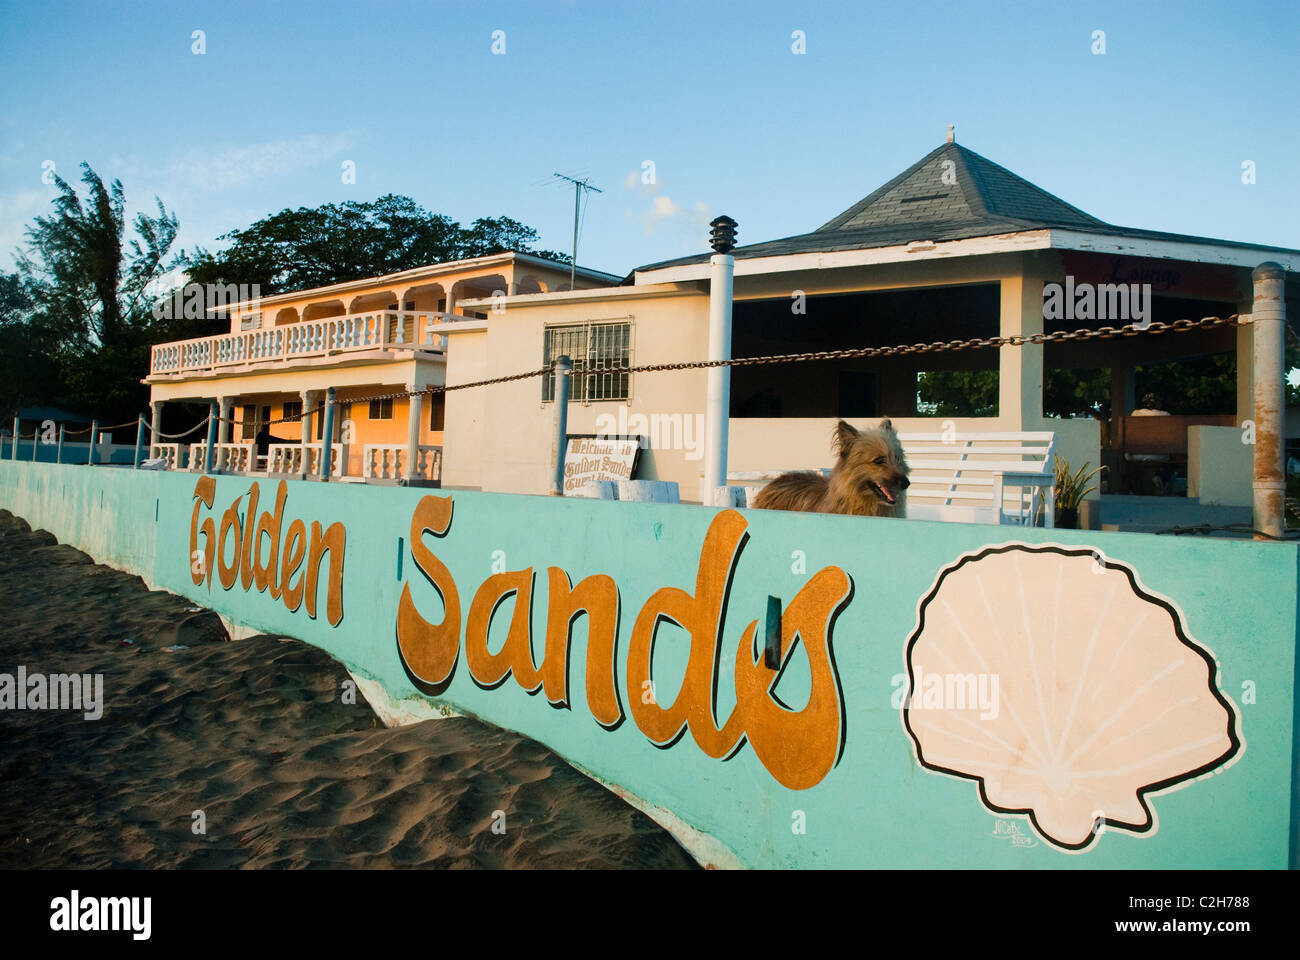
x,y
1070,693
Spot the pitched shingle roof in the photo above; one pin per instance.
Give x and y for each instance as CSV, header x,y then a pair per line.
x,y
951,193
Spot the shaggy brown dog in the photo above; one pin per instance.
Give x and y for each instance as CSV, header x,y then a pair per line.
x,y
869,478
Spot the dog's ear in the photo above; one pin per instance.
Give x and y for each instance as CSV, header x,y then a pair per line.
x,y
843,438
887,424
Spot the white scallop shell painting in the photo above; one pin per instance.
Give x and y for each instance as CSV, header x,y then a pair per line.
x,y
1066,690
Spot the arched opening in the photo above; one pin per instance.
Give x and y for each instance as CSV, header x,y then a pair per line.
x,y
371,302
482,288
319,311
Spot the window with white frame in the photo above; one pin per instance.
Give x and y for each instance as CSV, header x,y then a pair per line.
x,y
251,321
598,350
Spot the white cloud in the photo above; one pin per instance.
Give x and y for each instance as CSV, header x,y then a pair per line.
x,y
237,166
663,211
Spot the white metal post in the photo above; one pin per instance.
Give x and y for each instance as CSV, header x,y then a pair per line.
x,y
718,401
560,443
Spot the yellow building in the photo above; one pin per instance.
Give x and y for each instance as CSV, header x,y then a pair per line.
x,y
363,339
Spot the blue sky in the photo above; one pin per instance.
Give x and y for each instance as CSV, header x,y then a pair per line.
x,y
1151,134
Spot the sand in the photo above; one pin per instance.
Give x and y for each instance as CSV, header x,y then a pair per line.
x,y
254,734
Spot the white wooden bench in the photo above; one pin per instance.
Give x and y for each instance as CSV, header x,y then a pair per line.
x,y
961,476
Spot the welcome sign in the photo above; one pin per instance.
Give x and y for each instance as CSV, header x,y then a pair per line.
x,y
588,459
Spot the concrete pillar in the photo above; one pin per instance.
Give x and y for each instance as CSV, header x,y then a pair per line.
x,y
309,399
451,299
413,435
155,423
227,413
1269,314
209,448
1020,369
717,408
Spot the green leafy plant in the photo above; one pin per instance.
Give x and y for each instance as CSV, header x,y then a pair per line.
x,y
1070,486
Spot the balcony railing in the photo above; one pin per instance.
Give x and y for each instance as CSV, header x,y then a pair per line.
x,y
381,330
387,461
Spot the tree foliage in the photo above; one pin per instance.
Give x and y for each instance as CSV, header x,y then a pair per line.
x,y
28,373
1189,386
89,295
958,393
335,243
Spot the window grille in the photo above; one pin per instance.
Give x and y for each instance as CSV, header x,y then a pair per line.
x,y
597,349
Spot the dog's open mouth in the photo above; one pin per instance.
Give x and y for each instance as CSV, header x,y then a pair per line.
x,y
882,492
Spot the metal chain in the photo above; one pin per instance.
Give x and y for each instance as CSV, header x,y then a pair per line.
x,y
1155,327
1016,340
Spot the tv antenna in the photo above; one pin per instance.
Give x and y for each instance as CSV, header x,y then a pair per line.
x,y
578,187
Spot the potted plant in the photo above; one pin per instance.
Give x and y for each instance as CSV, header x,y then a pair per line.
x,y
1070,489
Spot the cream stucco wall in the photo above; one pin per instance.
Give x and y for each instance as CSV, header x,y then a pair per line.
x,y
500,437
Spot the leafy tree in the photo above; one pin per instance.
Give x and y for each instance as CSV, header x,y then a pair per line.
x,y
958,393
90,291
335,243
28,373
1189,386
1070,392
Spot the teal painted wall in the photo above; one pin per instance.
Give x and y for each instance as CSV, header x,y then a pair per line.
x,y
878,806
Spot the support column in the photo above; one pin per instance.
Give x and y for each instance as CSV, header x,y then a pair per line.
x,y
155,424
1269,314
413,436
327,435
451,299
227,413
560,444
717,408
309,398
209,448
1020,369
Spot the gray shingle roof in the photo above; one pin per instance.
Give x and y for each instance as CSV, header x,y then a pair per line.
x,y
951,193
